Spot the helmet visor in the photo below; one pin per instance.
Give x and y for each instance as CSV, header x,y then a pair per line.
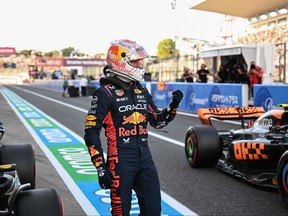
x,y
140,63
139,54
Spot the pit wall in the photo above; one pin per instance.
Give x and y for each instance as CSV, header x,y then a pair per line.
x,y
196,95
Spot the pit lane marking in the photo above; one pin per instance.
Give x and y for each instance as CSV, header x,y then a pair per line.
x,y
172,205
176,142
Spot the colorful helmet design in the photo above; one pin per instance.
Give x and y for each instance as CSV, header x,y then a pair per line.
x,y
125,58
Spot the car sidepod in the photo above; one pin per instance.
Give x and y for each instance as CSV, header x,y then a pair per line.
x,y
202,146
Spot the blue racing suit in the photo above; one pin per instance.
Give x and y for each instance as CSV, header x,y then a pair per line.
x,y
123,110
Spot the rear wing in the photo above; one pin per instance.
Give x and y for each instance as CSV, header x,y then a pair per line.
x,y
229,113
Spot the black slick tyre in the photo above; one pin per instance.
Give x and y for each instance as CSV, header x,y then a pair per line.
x,y
39,202
24,157
202,146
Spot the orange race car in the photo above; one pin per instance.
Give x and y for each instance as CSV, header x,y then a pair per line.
x,y
256,153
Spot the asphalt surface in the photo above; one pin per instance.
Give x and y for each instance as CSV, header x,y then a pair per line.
x,y
205,191
46,175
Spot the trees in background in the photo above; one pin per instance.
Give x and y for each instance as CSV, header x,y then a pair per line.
x,y
167,49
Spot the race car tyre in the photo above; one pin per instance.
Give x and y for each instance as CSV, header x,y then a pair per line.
x,y
40,202
23,156
282,177
202,146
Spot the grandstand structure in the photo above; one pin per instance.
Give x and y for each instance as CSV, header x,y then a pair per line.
x,y
268,24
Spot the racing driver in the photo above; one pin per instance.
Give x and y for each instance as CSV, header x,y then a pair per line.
x,y
123,107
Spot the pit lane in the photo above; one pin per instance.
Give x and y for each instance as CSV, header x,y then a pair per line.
x,y
204,191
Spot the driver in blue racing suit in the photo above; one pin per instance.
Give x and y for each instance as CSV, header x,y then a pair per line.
x,y
123,107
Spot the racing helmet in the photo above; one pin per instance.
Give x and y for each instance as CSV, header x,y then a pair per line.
x,y
126,59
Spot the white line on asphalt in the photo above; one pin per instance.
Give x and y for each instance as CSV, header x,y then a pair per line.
x,y
168,199
173,141
85,111
87,207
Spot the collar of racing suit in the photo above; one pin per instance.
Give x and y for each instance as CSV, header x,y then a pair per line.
x,y
118,82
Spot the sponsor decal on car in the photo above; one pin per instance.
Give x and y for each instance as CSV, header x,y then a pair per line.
x,y
249,151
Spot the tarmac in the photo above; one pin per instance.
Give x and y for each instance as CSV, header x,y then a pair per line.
x,y
46,175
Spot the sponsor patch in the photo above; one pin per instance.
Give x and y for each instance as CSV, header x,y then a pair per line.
x,y
91,117
94,100
119,92
6,166
137,91
123,132
135,118
90,123
93,151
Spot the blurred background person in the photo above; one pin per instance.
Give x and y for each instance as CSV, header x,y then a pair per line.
x,y
203,74
256,75
187,75
83,86
222,75
65,86
241,75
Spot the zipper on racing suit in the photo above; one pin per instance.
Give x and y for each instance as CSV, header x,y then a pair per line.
x,y
135,100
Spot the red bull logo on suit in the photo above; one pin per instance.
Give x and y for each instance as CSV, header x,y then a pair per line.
x,y
135,118
124,132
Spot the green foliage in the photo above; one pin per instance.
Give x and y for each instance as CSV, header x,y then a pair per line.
x,y
70,51
81,54
24,52
54,53
66,52
100,56
165,48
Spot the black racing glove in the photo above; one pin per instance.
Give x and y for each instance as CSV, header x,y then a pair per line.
x,y
105,177
176,99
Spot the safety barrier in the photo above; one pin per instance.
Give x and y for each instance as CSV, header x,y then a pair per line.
x,y
268,96
196,95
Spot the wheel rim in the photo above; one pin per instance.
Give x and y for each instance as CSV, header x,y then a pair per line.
x,y
285,178
190,149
